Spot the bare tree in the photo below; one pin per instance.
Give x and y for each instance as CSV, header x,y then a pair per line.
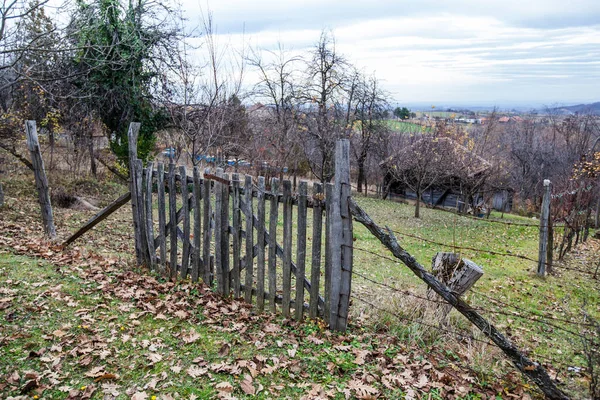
x,y
324,110
277,133
369,109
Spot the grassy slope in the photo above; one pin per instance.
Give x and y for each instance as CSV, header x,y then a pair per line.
x,y
510,280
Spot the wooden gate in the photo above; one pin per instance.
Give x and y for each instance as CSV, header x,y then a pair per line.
x,y
247,237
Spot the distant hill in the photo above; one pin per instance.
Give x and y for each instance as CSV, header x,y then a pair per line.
x,y
593,108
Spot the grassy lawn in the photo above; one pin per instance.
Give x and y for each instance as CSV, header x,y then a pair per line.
x,y
83,298
407,127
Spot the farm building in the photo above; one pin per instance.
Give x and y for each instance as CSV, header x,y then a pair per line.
x,y
458,180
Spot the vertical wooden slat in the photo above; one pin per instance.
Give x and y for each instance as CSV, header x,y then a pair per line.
x,y
225,235
41,181
149,221
260,239
237,235
207,233
328,198
196,267
287,248
139,192
185,196
132,136
315,273
273,215
173,221
162,219
219,232
249,260
301,249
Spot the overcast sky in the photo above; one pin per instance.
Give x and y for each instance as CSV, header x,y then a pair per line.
x,y
442,52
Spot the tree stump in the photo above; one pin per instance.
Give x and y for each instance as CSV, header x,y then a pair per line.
x,y
456,273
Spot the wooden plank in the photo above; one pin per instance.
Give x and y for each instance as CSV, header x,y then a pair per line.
x,y
315,273
273,215
249,259
197,259
287,248
41,181
328,209
101,216
236,235
173,222
139,181
225,235
162,218
132,136
149,218
219,233
301,248
207,230
261,243
545,214
341,239
185,197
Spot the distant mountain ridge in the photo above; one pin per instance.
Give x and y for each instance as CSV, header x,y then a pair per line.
x,y
593,108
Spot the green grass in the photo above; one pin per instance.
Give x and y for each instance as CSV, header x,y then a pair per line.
x,y
407,127
506,279
76,331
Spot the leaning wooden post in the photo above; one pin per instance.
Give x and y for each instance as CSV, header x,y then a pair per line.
x,y
132,136
545,214
341,239
41,181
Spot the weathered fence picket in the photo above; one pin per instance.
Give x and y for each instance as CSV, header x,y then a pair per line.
x,y
172,222
249,257
207,231
301,249
185,258
273,216
260,259
162,218
287,248
236,235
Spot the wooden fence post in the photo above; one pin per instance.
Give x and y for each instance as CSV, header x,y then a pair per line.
x,y
341,239
1,195
132,136
41,181
545,214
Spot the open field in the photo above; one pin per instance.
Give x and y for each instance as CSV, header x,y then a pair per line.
x,y
509,294
406,127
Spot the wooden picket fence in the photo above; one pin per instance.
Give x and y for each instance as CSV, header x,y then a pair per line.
x,y
215,228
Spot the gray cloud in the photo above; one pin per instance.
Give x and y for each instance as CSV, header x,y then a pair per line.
x,y
544,51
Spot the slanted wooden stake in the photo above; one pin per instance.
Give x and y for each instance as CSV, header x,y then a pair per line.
x,y
456,273
41,181
545,214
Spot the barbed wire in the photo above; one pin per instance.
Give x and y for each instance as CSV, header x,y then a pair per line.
x,y
493,252
516,315
405,318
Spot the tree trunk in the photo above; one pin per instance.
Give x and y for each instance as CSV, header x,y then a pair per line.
x,y
418,204
51,138
361,174
92,157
